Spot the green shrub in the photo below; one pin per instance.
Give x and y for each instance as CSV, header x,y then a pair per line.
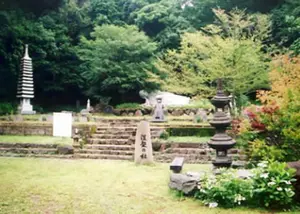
x,y
225,190
267,185
7,108
201,132
129,106
164,135
273,185
259,150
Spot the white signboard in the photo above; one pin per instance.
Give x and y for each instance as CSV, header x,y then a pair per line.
x,y
62,124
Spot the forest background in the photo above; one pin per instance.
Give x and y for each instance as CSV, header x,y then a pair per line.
x,y
112,49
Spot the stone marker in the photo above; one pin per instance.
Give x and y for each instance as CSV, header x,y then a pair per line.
x,y
62,124
138,113
158,115
87,110
143,146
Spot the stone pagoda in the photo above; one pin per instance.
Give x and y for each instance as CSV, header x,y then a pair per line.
x,y
25,85
221,142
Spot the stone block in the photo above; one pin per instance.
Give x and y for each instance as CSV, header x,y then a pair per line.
x,y
65,149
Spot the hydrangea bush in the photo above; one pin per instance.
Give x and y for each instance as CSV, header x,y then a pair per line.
x,y
268,185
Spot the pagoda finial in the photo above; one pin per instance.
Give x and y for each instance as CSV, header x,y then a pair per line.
x,y
219,84
26,55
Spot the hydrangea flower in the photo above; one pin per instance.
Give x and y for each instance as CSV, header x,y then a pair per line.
x,y
213,205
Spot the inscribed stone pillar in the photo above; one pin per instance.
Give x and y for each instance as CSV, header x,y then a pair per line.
x,y
143,145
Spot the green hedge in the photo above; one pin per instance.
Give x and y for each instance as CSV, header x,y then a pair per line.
x,y
129,106
201,132
7,108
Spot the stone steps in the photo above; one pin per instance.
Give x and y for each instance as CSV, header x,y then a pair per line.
x,y
109,141
105,152
125,128
101,156
188,158
113,131
111,136
28,150
188,151
108,147
197,151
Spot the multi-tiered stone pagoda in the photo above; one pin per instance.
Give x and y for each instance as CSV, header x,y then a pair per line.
x,y
25,85
221,142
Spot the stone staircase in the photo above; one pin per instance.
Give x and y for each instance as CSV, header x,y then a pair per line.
x,y
112,140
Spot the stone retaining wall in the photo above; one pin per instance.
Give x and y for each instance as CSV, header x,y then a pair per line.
x,y
148,111
42,129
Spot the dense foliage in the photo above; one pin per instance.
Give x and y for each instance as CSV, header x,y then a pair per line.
x,y
53,30
268,185
115,61
271,131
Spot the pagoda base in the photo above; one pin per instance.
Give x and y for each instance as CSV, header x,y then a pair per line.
x,y
25,107
222,162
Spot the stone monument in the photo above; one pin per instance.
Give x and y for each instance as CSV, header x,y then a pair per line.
x,y
88,108
25,90
143,145
221,142
158,115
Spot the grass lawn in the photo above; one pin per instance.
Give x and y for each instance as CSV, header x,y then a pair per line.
x,y
93,186
34,139
188,139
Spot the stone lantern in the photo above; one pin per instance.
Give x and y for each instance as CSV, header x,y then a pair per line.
x,y
221,142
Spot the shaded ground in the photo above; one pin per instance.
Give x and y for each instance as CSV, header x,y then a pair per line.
x,y
93,186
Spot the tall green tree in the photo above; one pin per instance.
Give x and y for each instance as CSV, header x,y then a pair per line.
x,y
233,54
51,39
286,25
162,21
115,61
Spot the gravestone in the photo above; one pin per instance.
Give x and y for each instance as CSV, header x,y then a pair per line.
x,y
143,145
138,113
158,115
87,110
62,124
